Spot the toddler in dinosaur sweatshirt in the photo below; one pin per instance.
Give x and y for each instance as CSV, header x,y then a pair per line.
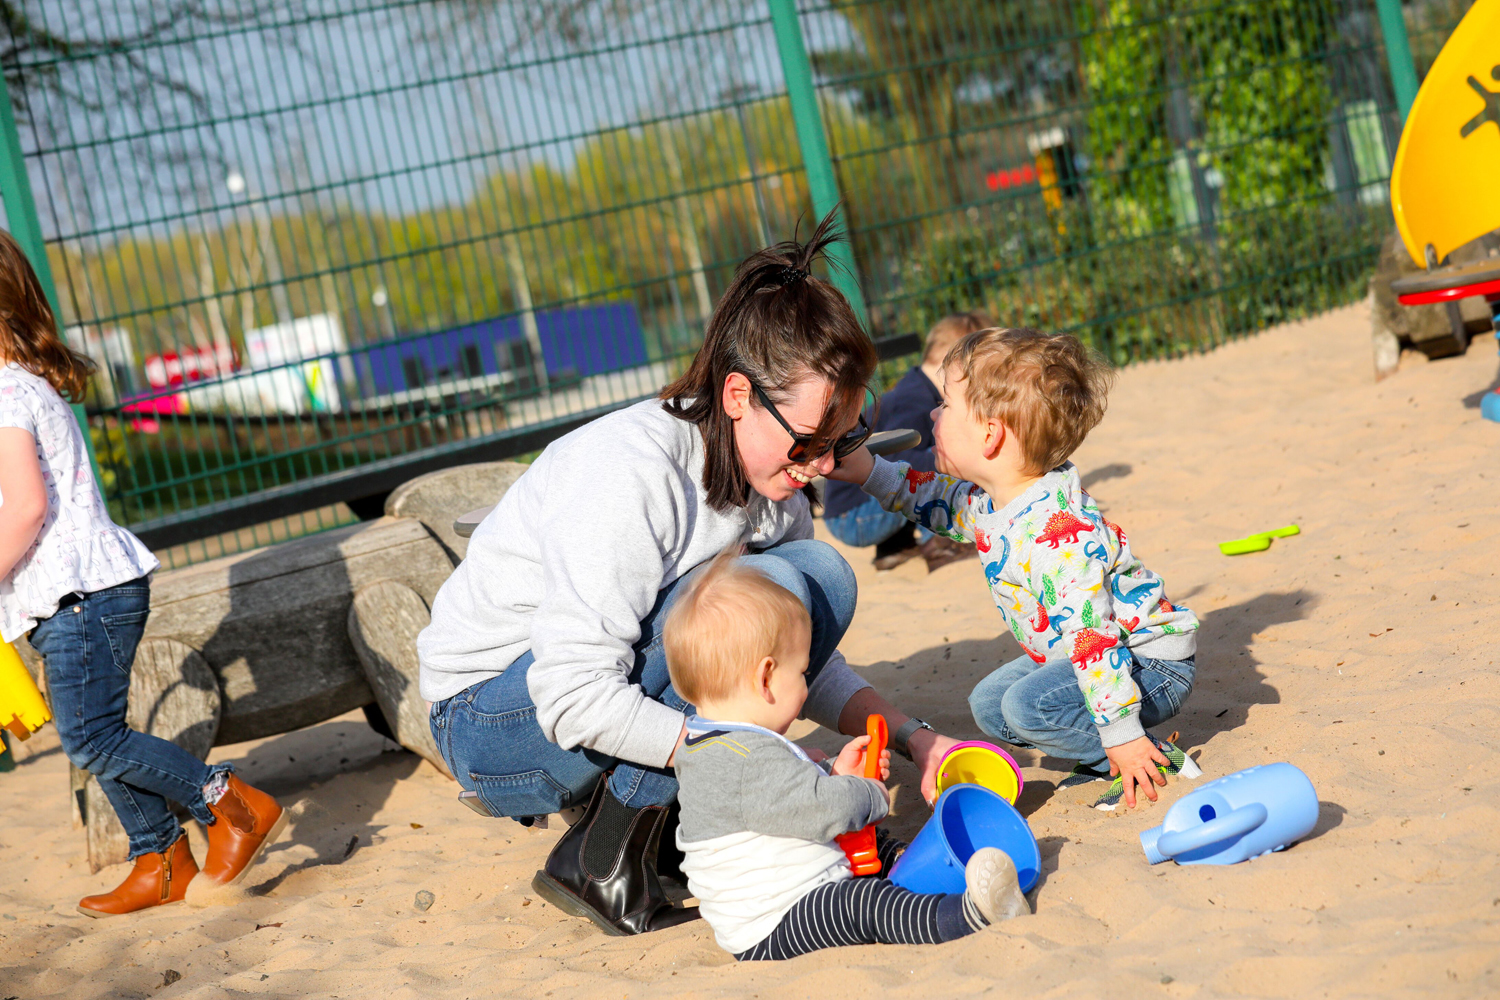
x,y
1107,654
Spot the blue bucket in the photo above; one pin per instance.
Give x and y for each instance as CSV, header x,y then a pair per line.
x,y
966,818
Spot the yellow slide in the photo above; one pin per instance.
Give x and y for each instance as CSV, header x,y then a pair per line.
x,y
1443,184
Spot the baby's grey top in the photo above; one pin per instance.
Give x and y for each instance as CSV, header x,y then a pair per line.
x,y
748,782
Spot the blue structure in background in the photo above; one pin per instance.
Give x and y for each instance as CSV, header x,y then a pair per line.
x,y
576,342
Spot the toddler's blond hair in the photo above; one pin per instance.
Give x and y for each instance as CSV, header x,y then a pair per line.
x,y
1049,389
729,619
949,330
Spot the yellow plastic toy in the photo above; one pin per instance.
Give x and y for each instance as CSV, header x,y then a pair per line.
x,y
978,763
22,709
1443,189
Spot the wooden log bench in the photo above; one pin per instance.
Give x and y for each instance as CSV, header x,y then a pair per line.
x,y
265,642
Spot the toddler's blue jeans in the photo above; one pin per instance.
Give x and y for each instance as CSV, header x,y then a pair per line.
x,y
1040,705
869,524
89,646
490,738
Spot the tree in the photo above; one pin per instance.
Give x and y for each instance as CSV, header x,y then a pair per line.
x,y
1238,89
939,68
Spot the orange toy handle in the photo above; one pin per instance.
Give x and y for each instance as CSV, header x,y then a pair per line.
x,y
859,845
880,734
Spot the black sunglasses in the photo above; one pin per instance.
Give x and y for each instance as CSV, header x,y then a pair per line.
x,y
803,444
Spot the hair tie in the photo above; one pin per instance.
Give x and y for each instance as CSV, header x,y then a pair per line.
x,y
789,275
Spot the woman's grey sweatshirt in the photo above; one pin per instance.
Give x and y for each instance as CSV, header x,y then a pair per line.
x,y
572,560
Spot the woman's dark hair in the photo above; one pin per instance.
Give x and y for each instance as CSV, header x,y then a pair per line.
x,y
778,325
28,332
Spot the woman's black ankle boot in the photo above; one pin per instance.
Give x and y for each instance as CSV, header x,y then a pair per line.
x,y
604,868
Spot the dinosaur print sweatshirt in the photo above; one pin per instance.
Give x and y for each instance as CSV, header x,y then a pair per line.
x,y
1063,577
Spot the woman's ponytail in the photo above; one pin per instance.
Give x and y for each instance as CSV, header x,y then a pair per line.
x,y
778,324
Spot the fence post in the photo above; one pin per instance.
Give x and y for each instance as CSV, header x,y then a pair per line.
x,y
821,180
1398,54
21,217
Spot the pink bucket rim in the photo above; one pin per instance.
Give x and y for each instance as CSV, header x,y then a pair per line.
x,y
967,744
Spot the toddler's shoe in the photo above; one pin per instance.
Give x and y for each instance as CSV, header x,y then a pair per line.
x,y
939,552
897,549
1178,764
246,820
154,880
1082,774
992,886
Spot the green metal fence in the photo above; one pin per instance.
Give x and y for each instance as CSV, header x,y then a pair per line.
x,y
320,246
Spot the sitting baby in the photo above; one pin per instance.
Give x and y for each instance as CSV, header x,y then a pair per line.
x,y
759,817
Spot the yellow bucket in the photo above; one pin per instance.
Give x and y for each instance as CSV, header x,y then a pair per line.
x,y
984,764
22,709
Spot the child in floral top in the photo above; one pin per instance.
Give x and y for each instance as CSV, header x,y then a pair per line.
x,y
1107,654
78,586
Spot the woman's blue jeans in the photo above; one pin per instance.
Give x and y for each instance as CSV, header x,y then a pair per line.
x,y
1040,705
489,735
89,647
869,524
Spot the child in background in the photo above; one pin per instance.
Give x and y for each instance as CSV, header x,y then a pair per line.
x,y
1107,655
80,586
759,818
859,520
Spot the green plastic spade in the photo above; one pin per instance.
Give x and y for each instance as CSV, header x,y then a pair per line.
x,y
1257,543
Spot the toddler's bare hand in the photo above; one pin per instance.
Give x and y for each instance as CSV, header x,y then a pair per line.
x,y
1137,761
851,759
854,468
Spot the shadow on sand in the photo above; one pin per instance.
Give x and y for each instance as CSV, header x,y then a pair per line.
x,y
934,684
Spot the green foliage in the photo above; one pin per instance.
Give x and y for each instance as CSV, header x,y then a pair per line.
x,y
1235,93
1151,296
110,452
1251,79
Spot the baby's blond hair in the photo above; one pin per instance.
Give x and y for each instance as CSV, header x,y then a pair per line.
x,y
729,619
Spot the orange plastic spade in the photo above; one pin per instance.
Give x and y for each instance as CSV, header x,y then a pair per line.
x,y
859,845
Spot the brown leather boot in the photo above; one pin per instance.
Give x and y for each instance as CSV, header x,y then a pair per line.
x,y
155,880
605,868
245,821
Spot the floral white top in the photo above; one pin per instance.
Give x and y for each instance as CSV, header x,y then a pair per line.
x,y
79,549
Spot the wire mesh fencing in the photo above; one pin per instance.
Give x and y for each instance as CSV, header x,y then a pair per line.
x,y
317,247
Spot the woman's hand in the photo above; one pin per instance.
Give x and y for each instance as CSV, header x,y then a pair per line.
x,y
854,467
927,752
851,759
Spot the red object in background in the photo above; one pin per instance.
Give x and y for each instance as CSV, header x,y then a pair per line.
x,y
998,180
171,369
859,846
191,364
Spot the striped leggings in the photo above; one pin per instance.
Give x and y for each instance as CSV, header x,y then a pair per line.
x,y
869,910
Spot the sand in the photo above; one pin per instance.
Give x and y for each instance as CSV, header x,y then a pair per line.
x,y
1360,651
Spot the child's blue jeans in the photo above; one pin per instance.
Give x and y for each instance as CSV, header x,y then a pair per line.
x,y
1040,705
89,646
490,738
869,524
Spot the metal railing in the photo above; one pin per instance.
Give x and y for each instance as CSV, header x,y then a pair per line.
x,y
317,247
